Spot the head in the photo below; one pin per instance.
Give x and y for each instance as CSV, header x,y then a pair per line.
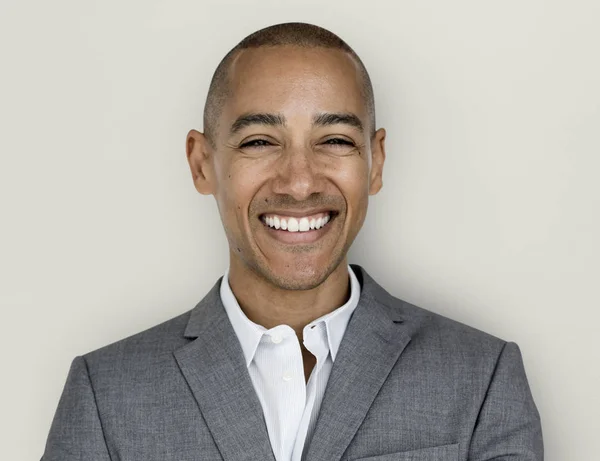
x,y
290,152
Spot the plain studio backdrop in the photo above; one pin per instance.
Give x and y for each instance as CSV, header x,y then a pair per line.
x,y
489,212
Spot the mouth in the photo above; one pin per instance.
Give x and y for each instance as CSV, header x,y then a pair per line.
x,y
299,228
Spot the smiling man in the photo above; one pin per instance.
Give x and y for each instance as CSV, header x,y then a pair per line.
x,y
295,355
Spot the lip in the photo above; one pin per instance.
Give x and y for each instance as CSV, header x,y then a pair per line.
x,y
310,236
299,213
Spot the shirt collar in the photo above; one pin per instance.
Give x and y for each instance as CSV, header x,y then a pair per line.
x,y
249,333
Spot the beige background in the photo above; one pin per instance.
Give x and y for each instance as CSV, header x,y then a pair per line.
x,y
489,212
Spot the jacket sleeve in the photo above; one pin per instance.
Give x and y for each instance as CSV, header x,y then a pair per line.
x,y
76,432
508,427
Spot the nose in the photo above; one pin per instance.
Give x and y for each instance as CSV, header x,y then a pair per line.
x,y
297,174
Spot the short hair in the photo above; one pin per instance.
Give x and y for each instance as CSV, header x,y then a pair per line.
x,y
291,33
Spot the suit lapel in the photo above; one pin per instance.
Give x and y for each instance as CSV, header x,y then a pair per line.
x,y
214,367
374,339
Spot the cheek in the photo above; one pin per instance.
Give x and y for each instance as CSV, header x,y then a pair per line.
x,y
354,184
232,203
237,187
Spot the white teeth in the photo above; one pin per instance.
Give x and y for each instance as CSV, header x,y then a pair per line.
x,y
303,225
293,225
296,224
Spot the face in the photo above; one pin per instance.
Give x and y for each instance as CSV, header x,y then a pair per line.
x,y
291,164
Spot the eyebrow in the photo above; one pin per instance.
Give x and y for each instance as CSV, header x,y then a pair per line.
x,y
256,119
327,119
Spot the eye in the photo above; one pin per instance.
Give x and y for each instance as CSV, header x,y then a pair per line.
x,y
255,143
338,142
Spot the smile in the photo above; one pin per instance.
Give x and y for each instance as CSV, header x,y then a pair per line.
x,y
296,223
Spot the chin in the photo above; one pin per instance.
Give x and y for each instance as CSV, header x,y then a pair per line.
x,y
300,275
296,283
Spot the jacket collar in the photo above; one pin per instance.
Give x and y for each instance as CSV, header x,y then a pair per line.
x,y
215,368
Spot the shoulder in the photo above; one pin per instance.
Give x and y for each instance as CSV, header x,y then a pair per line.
x,y
433,334
446,330
146,348
455,353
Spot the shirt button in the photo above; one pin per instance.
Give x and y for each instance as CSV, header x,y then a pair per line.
x,y
276,338
288,375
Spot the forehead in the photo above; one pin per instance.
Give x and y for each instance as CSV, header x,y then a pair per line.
x,y
294,79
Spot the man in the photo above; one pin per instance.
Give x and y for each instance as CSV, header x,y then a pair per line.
x,y
294,354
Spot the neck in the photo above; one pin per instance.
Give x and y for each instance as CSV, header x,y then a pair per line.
x,y
269,305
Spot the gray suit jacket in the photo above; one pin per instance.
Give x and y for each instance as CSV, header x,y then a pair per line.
x,y
407,385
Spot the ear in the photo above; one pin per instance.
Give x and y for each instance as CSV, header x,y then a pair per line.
x,y
377,160
199,156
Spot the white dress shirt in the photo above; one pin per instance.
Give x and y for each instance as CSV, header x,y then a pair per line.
x,y
274,360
